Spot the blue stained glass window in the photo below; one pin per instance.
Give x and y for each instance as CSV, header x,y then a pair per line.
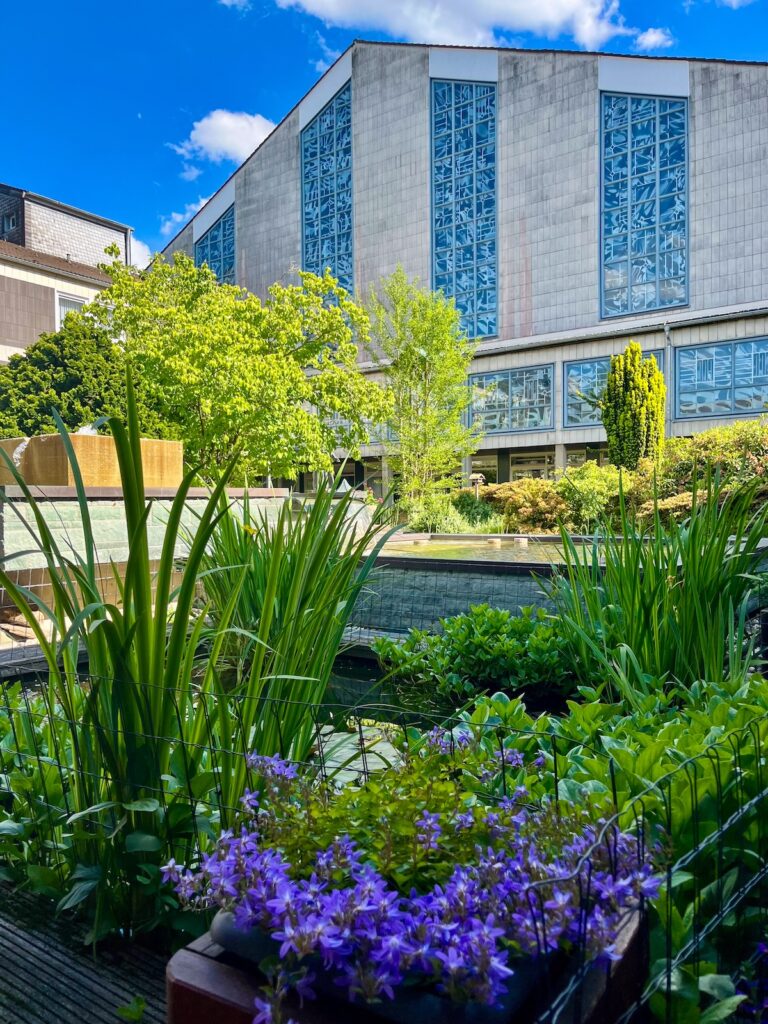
x,y
513,399
326,188
644,203
726,379
583,383
464,201
217,248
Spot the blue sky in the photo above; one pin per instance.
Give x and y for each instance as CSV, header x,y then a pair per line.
x,y
140,112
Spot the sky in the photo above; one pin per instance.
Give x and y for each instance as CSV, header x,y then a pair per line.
x,y
140,112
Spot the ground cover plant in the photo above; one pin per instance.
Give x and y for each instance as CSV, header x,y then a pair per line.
x,y
530,791
483,649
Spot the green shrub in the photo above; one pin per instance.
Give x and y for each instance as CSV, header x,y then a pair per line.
x,y
473,510
482,649
434,513
529,505
590,492
738,452
675,509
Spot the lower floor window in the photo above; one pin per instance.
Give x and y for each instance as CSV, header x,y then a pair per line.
x,y
722,380
513,399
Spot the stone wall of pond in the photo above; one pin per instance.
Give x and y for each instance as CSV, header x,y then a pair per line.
x,y
417,592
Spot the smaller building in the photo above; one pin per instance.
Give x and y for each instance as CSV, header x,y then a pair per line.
x,y
49,256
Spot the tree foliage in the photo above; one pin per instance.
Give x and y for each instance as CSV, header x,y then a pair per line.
x,y
633,405
425,360
80,372
276,380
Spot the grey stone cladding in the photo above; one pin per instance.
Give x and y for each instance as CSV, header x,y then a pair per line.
x,y
65,234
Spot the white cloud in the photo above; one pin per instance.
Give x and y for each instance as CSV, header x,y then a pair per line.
x,y
329,55
654,39
735,4
591,23
190,172
224,135
170,225
141,253
238,5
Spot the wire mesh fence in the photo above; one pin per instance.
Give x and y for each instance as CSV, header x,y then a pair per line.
x,y
82,785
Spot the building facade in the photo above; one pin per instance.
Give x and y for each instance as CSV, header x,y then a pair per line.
x,y
49,254
567,201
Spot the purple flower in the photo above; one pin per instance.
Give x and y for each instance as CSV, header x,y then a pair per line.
x,y
524,889
170,872
428,830
274,767
511,758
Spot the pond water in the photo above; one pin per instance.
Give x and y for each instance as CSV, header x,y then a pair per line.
x,y
538,551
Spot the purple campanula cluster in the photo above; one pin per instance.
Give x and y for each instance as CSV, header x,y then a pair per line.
x,y
428,830
528,890
447,741
271,767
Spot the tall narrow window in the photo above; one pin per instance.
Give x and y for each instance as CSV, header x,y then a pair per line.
x,y
217,248
644,233
326,190
464,201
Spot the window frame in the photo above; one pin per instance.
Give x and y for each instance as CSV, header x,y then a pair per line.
x,y
732,386
68,296
657,353
509,429
495,193
685,100
301,138
220,220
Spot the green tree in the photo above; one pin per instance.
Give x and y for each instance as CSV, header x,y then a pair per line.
x,y
78,371
632,406
425,359
277,380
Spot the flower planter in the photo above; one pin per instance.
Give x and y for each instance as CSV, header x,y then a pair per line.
x,y
530,990
207,982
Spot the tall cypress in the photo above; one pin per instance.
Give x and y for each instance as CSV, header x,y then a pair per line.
x,y
632,405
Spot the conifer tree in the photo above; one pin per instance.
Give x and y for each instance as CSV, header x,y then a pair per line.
x,y
632,406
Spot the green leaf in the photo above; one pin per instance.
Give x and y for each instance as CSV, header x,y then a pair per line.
x,y
723,1010
149,804
719,986
92,810
79,892
11,828
142,842
133,1011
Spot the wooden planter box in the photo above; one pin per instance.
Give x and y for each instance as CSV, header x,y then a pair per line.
x,y
43,462
206,983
